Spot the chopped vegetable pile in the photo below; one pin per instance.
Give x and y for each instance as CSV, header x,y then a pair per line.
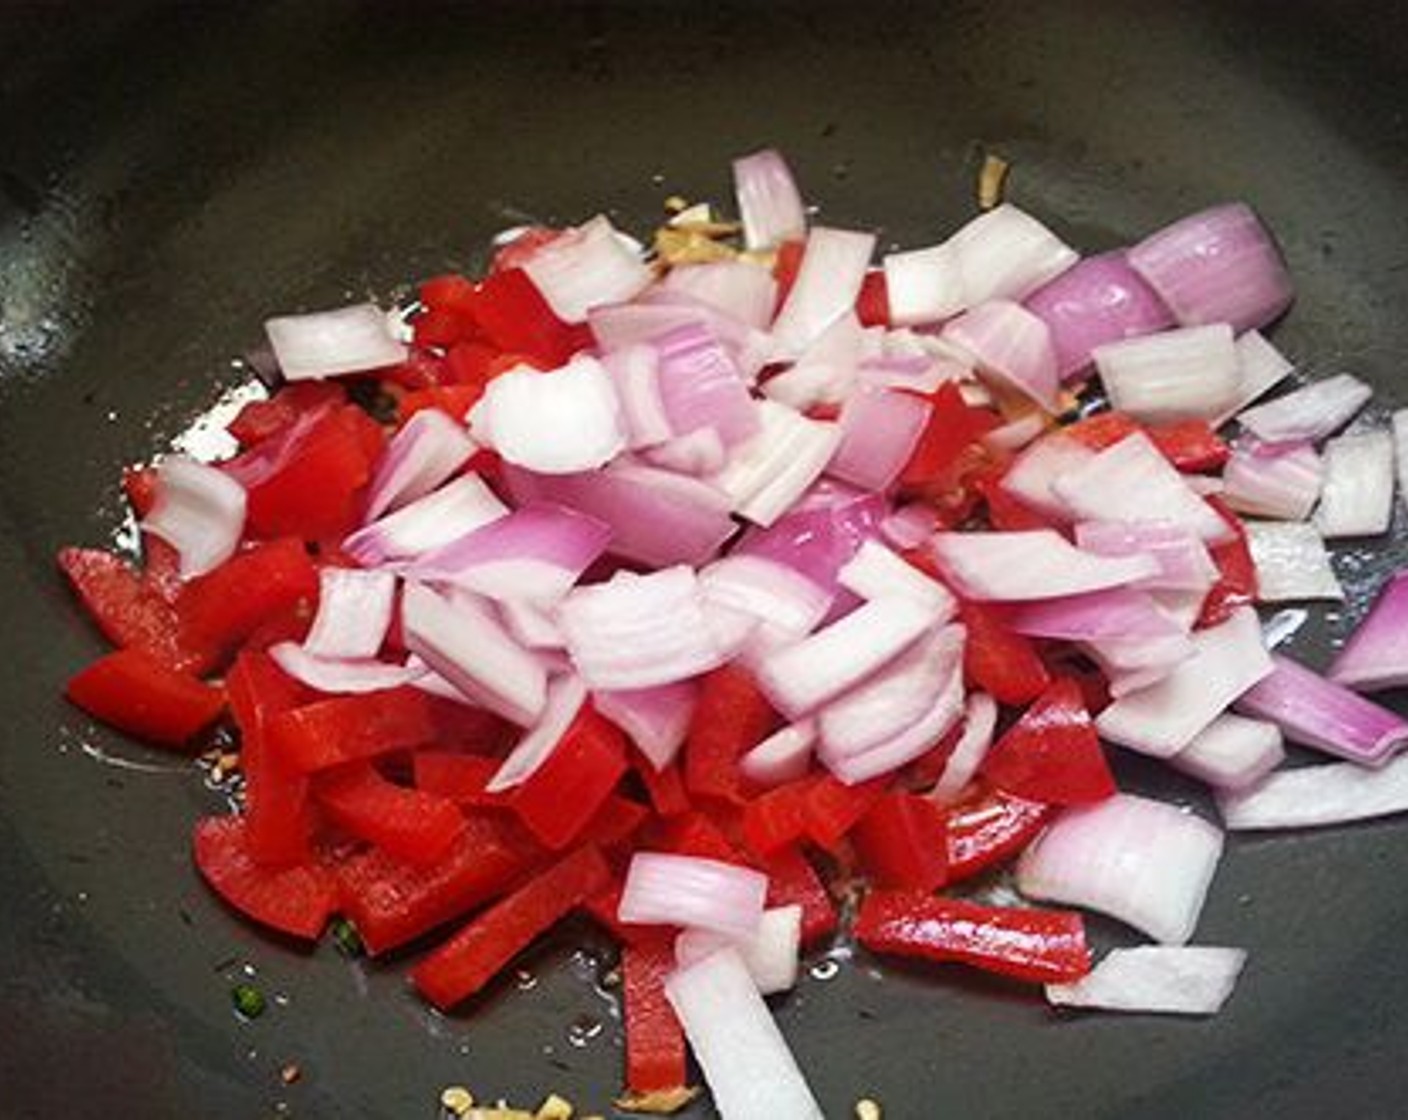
x,y
689,588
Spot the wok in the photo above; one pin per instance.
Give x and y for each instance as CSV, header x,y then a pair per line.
x,y
171,176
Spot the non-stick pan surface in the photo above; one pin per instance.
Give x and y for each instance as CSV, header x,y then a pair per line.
x,y
170,177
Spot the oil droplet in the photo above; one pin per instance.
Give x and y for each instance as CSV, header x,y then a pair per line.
x,y
583,1029
282,999
524,980
824,970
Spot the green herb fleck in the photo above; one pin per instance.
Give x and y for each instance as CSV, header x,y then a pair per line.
x,y
248,1000
348,940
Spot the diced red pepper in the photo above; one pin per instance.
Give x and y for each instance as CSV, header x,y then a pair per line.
x,y
953,428
786,266
515,317
136,693
1043,946
604,905
999,661
161,569
732,716
793,880
986,832
453,400
410,823
443,326
296,900
449,292
615,822
1236,584
261,420
470,959
1190,445
392,901
470,728
221,609
139,484
695,834
655,1048
929,767
834,808
778,818
1051,754
1005,512
522,247
348,728
873,302
422,369
903,842
559,798
1102,429
461,777
665,788
473,364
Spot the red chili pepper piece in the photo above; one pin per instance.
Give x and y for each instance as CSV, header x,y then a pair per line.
x,y
655,1048
732,716
347,728
834,808
1043,946
873,302
1052,754
997,660
793,880
409,823
136,693
986,832
778,818
515,317
220,610
559,798
1236,584
665,788
903,842
470,959
297,899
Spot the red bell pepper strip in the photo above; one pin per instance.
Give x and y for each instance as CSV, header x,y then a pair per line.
x,y
416,826
276,811
136,693
873,302
834,808
468,728
470,959
297,899
986,832
220,610
655,1048
732,716
665,788
558,799
778,818
695,834
999,661
461,777
1051,754
615,822
954,427
392,901
1043,946
603,906
793,880
453,400
1236,585
348,728
515,317
903,842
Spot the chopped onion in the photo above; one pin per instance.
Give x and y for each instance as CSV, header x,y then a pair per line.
x,y
875,572
1316,712
1260,367
1007,254
1031,474
664,889
1161,979
826,371
879,432
924,286
1291,562
1117,612
1358,496
586,267
554,422
701,453
769,591
739,289
1016,434
769,472
428,523
531,625
1219,265
1313,796
783,756
327,343
910,526
1400,449
820,533
1232,752
1376,654
428,449
1279,480
747,1065
340,675
660,310
771,954
354,613
1029,564
1010,345
1183,559
199,511
1162,719
979,722
701,386
768,200
1184,374
1131,665
1141,861
834,265
656,719
1309,413
462,641
565,696
634,372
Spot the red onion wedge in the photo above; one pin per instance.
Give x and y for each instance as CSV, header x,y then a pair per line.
x,y
1357,499
879,432
909,526
424,453
833,269
586,267
1184,374
1309,413
1315,796
1277,480
327,343
199,510
739,289
701,453
1316,712
565,697
746,1062
1183,559
635,377
1007,254
783,756
1260,367
1156,979
824,373
1029,564
1010,345
768,200
336,675
532,625
664,889
354,613
874,572
1216,266
979,723
1376,654
924,286
701,387
1031,474
1162,719
428,523
1144,862
771,592
1232,752
1291,562
662,309
766,475
771,954
656,719
1118,612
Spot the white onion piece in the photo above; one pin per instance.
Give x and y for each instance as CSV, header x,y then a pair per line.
x,y
767,590
1183,559
462,641
354,613
1029,564
769,202
665,889
554,422
909,526
1309,413
1279,480
327,343
586,267
766,475
199,511
771,954
431,682
879,432
924,286
655,719
747,1065
1158,979
531,625
1031,474
826,371
874,572
1357,499
702,387
1314,796
1260,367
1376,654
428,523
979,722
1184,374
637,631
1162,719
1144,862
1119,612
1400,450
661,309
429,448
783,756
700,453
635,377
565,697
1132,664
1007,254
1291,562
1232,752
1016,434
1011,345
337,675
834,265
739,289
